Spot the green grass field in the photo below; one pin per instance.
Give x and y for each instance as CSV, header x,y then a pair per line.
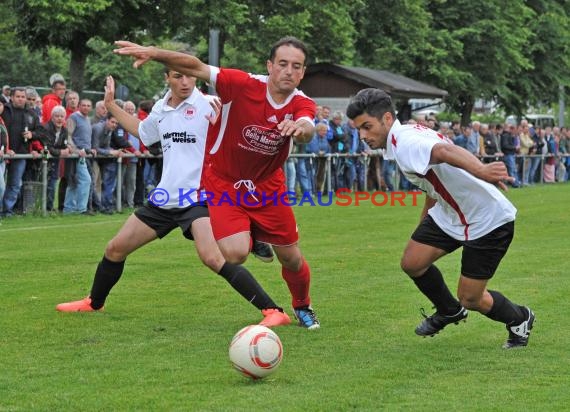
x,y
161,344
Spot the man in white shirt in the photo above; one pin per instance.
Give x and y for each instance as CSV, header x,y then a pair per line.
x,y
463,208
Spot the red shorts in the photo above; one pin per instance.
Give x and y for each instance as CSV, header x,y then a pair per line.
x,y
232,210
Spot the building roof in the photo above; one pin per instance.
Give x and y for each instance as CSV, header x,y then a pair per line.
x,y
335,80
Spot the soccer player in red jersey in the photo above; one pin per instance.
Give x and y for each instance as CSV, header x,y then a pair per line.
x,y
261,116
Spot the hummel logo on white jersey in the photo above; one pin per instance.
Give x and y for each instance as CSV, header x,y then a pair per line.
x,y
273,119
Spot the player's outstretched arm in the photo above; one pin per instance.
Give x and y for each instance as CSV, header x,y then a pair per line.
x,y
495,173
180,62
129,122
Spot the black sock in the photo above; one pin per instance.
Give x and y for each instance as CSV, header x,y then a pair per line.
x,y
243,281
107,275
505,311
432,285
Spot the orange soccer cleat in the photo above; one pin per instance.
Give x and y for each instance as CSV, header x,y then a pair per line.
x,y
83,305
274,317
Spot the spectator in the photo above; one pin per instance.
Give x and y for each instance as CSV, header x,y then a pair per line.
x,y
145,106
508,146
291,170
4,150
461,138
22,124
565,150
388,170
551,153
319,145
5,96
31,96
538,149
55,98
526,145
456,127
304,170
38,104
472,145
54,136
132,165
100,112
71,103
338,142
77,170
488,144
353,144
107,143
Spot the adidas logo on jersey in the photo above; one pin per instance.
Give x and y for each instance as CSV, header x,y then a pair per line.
x,y
273,119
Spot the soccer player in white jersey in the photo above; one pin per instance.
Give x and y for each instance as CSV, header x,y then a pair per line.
x,y
463,208
246,149
179,122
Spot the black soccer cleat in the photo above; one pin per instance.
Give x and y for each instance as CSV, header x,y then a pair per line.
x,y
262,251
431,325
519,334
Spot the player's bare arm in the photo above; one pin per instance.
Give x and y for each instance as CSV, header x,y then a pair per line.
x,y
129,122
495,173
180,62
301,130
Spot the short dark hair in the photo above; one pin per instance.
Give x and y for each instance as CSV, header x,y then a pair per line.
x,y
289,41
56,82
374,102
17,89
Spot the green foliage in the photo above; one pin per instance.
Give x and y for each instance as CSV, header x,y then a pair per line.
x,y
516,54
162,342
143,83
493,37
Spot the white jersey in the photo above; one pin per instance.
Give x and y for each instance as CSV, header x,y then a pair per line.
x,y
467,208
182,133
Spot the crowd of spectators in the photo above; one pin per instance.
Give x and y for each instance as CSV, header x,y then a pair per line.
x,y
82,147
83,143
523,148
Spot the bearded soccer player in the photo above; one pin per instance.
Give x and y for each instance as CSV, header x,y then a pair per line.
x,y
261,115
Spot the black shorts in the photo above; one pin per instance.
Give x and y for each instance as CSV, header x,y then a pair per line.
x,y
480,257
163,221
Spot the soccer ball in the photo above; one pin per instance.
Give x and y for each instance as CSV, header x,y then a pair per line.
x,y
256,351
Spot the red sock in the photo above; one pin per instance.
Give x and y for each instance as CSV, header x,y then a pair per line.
x,y
298,284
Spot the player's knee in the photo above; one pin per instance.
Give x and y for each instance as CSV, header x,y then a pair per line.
x,y
470,302
236,258
410,268
114,251
212,261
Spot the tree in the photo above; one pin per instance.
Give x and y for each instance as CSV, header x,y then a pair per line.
x,y
70,24
400,37
549,52
494,38
248,28
20,66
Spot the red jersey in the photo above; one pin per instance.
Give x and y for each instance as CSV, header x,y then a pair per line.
x,y
245,144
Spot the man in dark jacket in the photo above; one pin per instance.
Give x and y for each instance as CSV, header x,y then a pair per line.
x,y
21,124
105,140
508,147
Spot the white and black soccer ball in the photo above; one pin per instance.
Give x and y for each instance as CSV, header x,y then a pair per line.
x,y
256,351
